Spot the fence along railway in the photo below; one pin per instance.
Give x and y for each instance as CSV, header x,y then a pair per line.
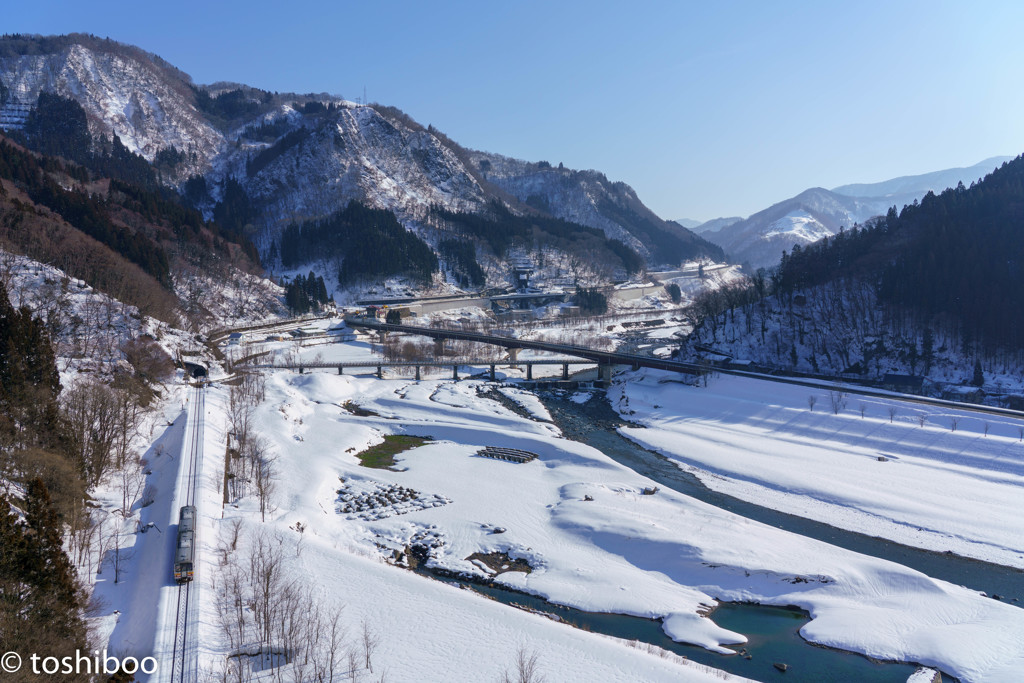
x,y
185,654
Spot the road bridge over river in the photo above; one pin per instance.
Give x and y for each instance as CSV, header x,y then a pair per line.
x,y
418,365
608,359
604,359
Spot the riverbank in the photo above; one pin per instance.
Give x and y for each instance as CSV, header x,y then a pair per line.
x,y
594,422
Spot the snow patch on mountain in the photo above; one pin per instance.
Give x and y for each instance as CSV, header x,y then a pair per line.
x,y
142,103
813,214
798,225
360,155
564,193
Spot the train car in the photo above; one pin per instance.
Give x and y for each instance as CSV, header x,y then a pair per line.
x,y
184,553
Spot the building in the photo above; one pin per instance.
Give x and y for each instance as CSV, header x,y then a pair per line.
x,y
522,269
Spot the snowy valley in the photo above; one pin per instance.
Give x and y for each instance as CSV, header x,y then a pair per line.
x,y
296,389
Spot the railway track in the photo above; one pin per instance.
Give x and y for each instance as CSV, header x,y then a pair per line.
x,y
185,659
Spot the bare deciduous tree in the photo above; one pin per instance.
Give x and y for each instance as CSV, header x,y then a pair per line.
x,y
527,669
370,641
811,400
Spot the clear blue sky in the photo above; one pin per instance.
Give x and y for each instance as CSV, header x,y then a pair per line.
x,y
706,109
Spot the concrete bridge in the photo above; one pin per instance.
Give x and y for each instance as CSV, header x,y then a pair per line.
x,y
379,365
604,359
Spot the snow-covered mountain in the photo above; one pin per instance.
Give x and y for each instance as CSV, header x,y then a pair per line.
x,y
816,213
125,92
304,157
760,239
589,198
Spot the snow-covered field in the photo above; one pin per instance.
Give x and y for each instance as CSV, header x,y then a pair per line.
x,y
431,631
907,477
663,556
592,539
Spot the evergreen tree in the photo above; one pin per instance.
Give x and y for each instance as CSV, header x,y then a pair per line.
x,y
29,380
979,376
40,600
927,349
47,568
674,293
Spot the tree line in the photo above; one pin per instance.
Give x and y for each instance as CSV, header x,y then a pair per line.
x,y
371,243
85,212
952,261
305,293
461,259
40,599
500,230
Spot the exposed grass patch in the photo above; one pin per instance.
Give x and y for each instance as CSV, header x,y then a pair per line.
x,y
382,456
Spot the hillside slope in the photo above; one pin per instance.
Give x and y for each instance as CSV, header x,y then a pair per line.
x,y
928,291
305,157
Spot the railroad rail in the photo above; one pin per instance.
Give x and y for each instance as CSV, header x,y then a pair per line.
x,y
185,655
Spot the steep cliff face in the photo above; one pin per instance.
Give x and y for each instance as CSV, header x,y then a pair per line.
x,y
589,198
124,91
355,153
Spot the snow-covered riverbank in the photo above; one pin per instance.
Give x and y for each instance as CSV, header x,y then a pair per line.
x,y
663,555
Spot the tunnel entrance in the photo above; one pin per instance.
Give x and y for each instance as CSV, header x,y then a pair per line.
x,y
195,370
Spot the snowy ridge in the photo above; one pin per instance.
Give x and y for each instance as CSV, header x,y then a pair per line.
x,y
372,154
760,239
360,155
88,328
142,103
817,213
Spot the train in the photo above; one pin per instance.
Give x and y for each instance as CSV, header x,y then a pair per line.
x,y
184,554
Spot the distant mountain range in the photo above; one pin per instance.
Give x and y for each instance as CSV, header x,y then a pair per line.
x,y
707,226
760,239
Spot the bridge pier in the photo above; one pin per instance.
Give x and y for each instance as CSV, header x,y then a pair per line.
x,y
438,347
455,372
529,371
341,370
605,372
417,373
380,372
492,372
513,356
300,369
565,371
382,336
